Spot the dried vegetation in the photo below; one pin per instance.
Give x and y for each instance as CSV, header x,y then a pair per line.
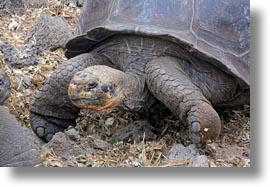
x,y
231,149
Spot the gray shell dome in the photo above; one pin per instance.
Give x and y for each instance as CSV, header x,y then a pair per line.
x,y
216,30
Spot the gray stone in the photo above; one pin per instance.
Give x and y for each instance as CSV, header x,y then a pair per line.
x,y
100,144
78,3
109,122
72,133
63,147
11,7
48,33
18,7
199,161
190,154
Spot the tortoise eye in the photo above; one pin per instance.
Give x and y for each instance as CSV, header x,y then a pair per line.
x,y
104,88
1,82
91,86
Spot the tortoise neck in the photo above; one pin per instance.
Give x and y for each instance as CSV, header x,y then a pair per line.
x,y
135,95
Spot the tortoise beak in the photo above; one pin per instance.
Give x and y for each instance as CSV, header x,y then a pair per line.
x,y
95,99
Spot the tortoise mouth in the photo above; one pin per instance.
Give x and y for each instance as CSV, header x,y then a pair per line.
x,y
96,105
93,89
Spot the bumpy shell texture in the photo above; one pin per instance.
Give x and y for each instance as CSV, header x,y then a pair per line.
x,y
215,30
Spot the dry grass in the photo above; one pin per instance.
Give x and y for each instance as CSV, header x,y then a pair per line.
x,y
231,149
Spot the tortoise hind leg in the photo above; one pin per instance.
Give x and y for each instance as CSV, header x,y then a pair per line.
x,y
172,86
51,109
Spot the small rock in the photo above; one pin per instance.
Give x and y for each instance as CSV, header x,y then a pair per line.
x,y
26,81
13,25
49,33
119,146
134,132
9,52
180,152
138,163
189,154
109,122
211,149
63,147
100,144
11,7
199,161
72,133
78,3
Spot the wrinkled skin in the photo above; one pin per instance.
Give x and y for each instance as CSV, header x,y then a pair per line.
x,y
188,86
191,55
51,110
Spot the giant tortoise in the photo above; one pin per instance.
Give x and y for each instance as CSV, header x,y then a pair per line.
x,y
192,55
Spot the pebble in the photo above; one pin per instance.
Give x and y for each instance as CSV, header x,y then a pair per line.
x,y
13,25
72,133
189,154
109,122
100,144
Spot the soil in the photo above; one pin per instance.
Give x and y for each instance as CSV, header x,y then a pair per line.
x,y
231,149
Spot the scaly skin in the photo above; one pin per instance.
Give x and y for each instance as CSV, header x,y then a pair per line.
x,y
51,110
172,86
186,84
18,146
92,88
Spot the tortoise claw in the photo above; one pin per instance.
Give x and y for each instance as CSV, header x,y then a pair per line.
x,y
195,138
44,128
49,137
195,127
195,132
40,132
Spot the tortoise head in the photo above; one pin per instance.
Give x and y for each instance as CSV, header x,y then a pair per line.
x,y
4,86
97,87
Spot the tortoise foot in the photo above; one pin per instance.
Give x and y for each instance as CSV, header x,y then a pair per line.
x,y
204,123
43,128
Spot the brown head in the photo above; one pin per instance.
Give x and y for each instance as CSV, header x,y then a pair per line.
x,y
4,86
97,87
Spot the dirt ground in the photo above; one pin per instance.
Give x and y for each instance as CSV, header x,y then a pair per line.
x,y
231,149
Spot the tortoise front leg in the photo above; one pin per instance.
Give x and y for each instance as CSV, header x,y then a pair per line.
x,y
51,110
171,85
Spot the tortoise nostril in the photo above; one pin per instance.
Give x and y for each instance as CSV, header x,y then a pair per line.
x,y
90,86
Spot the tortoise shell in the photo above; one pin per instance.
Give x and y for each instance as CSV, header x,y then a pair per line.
x,y
216,30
